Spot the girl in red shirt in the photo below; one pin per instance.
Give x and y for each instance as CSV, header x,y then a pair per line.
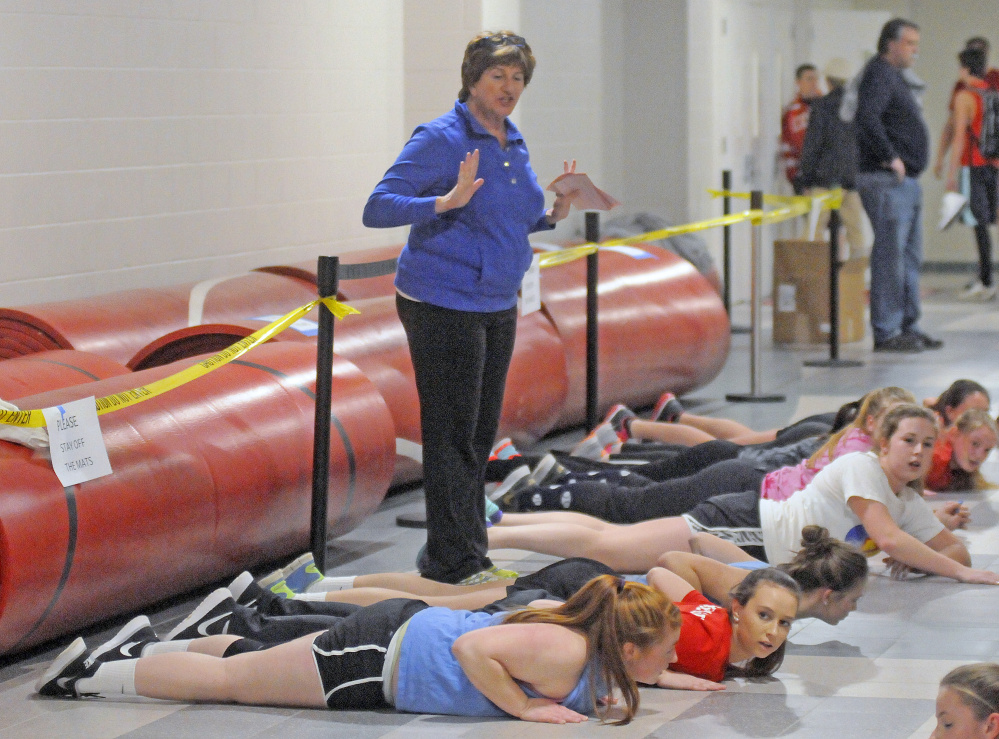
x,y
749,635
960,451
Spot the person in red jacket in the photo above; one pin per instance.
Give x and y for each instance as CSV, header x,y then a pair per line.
x,y
983,173
794,122
947,134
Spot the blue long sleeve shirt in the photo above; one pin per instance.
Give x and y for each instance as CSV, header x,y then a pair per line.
x,y
889,122
471,258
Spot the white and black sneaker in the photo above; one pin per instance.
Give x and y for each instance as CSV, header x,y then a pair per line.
x,y
244,590
59,681
210,618
128,643
514,479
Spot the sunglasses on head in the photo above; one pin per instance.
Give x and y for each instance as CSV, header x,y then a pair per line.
x,y
502,39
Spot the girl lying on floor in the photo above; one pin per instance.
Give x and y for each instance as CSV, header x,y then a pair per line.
x,y
865,499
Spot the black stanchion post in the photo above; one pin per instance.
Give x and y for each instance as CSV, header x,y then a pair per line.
x,y
727,253
727,242
834,265
592,277
328,279
756,288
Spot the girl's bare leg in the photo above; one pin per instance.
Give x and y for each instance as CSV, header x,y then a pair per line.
x,y
567,517
284,675
668,433
464,599
213,646
634,548
718,428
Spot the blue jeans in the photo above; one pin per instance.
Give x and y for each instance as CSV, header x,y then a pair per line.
x,y
895,209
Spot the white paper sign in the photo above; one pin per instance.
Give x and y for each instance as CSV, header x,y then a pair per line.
x,y
787,298
76,443
530,288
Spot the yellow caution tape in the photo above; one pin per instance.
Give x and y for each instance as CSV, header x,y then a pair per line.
x,y
792,206
830,199
107,404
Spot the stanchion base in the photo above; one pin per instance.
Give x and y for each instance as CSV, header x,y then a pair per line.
x,y
416,520
833,363
741,329
750,398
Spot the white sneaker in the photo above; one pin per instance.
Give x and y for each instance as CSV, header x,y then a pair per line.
x,y
988,293
973,291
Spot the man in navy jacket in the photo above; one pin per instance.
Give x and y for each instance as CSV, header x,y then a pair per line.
x,y
893,149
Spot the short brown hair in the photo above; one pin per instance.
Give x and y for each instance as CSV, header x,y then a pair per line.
x,y
501,49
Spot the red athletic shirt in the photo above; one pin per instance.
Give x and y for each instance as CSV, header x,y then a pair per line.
x,y
705,638
991,79
971,156
793,124
940,476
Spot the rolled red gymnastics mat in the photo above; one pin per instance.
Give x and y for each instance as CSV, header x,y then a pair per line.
x,y
662,326
36,373
118,324
208,338
210,478
375,341
368,287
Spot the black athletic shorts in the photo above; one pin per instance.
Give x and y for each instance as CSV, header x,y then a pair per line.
x,y
561,579
734,517
350,654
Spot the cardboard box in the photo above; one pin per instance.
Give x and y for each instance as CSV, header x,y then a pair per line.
x,y
801,294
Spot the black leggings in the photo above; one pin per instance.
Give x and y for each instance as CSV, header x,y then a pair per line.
x,y
623,496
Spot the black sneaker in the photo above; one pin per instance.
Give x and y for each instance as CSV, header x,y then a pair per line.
x,y
901,344
210,618
59,681
928,342
508,500
128,643
514,478
548,470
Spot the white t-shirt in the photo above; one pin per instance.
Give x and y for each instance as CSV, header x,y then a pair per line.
x,y
824,502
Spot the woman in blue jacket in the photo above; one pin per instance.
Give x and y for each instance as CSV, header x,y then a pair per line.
x,y
464,184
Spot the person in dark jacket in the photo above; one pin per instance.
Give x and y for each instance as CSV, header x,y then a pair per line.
x,y
893,150
829,158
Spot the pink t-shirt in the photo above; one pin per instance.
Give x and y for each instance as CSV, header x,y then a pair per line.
x,y
782,483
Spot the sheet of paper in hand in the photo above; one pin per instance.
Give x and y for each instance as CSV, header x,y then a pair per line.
x,y
581,191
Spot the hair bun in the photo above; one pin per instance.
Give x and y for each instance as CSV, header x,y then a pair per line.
x,y
816,539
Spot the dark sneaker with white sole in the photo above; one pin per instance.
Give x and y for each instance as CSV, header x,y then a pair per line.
x,y
59,681
210,618
928,342
901,344
128,643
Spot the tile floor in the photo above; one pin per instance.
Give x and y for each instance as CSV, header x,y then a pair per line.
x,y
874,675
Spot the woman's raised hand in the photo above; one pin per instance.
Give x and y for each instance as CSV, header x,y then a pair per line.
x,y
560,209
466,186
